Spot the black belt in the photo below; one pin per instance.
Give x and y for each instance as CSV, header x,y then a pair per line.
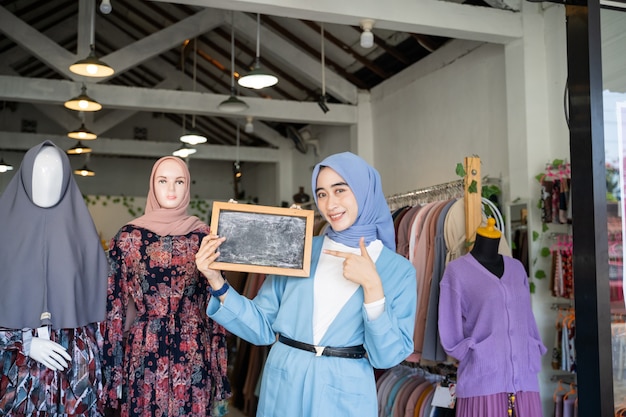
x,y
351,352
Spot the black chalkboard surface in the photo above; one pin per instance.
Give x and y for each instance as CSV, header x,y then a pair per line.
x,y
263,239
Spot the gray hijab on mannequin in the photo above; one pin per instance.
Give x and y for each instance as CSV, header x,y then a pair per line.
x,y
53,269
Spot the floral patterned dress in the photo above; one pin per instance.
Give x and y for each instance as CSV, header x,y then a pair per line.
x,y
28,388
173,361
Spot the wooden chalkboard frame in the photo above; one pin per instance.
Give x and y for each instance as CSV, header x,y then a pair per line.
x,y
262,221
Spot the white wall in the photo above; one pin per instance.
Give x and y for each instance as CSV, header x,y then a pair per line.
x,y
427,122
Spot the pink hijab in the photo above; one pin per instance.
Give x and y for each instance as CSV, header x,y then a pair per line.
x,y
164,221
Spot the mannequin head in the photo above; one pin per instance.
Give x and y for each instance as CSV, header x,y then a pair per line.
x,y
170,184
47,177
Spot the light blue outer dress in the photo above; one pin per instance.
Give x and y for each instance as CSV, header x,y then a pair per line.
x,y
298,383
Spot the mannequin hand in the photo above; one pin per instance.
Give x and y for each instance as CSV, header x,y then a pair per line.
x,y
50,354
206,255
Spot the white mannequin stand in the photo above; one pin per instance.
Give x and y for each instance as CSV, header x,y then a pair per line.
x,y
46,193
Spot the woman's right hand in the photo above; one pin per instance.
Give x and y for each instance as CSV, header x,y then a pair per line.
x,y
206,255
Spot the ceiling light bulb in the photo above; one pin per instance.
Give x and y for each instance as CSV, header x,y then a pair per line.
x,y
367,37
249,128
105,6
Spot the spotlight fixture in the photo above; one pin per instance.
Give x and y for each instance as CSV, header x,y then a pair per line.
x,y
193,137
232,104
83,102
82,133
4,167
322,100
237,170
236,165
184,151
258,78
322,103
78,149
367,37
249,127
105,7
91,66
84,172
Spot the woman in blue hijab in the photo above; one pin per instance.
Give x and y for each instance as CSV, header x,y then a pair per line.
x,y
355,312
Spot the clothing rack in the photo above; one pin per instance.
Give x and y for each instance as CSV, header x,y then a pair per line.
x,y
469,187
448,190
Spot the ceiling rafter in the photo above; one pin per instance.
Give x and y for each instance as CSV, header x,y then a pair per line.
x,y
315,53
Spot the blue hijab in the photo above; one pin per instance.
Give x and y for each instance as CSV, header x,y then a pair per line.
x,y
374,219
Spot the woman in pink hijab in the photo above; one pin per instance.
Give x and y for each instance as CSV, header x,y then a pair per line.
x,y
162,354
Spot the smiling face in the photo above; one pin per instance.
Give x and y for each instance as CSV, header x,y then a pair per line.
x,y
335,200
170,184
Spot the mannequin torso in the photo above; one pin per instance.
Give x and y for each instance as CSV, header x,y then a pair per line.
x,y
485,250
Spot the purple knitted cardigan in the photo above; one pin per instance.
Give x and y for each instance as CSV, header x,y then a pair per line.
x,y
487,324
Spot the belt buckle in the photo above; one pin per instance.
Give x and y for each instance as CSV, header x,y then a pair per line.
x,y
319,350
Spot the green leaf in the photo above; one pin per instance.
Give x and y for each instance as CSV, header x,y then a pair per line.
x,y
557,162
544,227
490,190
460,170
535,236
531,285
540,274
545,252
539,178
473,187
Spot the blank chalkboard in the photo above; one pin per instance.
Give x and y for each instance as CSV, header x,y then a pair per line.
x,y
263,239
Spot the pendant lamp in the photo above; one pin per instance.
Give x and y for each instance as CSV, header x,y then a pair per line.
x,y
232,104
184,151
82,133
4,167
92,66
83,102
193,135
84,172
78,149
258,78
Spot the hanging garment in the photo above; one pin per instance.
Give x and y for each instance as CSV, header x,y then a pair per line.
x,y
174,361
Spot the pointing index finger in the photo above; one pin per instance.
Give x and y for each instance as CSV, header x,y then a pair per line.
x,y
337,253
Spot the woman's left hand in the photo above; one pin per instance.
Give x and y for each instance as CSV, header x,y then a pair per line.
x,y
361,270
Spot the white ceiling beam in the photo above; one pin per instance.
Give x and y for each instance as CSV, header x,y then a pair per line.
x,y
85,35
12,141
431,17
35,42
149,99
299,62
